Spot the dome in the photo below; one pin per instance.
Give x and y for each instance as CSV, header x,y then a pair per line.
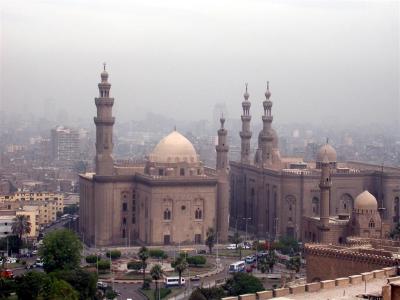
x,y
330,153
366,201
174,148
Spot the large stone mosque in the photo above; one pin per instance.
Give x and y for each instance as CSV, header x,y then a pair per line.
x,y
170,199
173,198
320,201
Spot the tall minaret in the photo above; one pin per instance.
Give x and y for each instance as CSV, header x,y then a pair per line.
x,y
223,183
245,134
325,188
104,127
266,138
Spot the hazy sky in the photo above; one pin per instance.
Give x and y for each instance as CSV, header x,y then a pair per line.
x,y
325,60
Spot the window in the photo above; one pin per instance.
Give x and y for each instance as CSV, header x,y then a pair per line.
x,y
133,219
167,214
124,221
182,172
198,214
161,172
197,238
124,206
371,224
123,233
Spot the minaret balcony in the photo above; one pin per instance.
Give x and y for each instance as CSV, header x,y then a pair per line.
x,y
104,121
221,148
246,118
245,134
104,101
267,118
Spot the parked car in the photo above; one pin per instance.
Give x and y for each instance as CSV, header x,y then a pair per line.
x,y
231,247
39,263
11,260
102,285
195,278
250,259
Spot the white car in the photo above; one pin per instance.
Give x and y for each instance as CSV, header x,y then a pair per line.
x,y
11,260
39,263
231,247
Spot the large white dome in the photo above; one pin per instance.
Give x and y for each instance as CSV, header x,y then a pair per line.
x,y
174,148
366,201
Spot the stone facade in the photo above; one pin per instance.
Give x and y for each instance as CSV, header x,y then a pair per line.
x,y
170,199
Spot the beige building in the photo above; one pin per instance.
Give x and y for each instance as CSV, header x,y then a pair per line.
x,y
40,207
171,198
271,194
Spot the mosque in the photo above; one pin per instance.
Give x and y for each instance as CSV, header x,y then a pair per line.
x,y
170,199
273,196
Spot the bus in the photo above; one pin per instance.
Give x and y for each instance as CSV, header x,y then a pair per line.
x,y
238,266
173,281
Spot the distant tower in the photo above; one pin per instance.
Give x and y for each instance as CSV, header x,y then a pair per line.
x,y
266,135
245,134
325,188
104,127
223,183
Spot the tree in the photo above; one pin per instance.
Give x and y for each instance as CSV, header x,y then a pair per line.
x,y
61,250
197,295
143,256
84,282
156,273
92,258
57,289
180,265
210,238
243,283
196,260
236,239
103,265
30,285
20,227
7,286
262,265
294,264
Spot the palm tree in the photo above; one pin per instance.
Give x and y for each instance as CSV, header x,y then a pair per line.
x,y
236,240
156,273
144,255
180,265
210,238
21,226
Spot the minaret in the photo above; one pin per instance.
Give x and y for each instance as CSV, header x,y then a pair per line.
x,y
266,138
104,127
223,183
245,134
325,188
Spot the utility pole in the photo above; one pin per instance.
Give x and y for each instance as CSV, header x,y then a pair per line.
x,y
246,219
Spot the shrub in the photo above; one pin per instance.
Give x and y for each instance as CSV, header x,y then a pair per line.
x,y
196,260
114,254
135,265
92,259
146,284
103,265
242,283
157,253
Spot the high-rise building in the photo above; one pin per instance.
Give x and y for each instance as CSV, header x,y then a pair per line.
x,y
65,144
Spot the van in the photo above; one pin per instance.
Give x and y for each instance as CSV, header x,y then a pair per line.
x,y
238,266
173,281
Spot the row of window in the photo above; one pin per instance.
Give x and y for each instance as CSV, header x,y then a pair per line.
x,y
198,214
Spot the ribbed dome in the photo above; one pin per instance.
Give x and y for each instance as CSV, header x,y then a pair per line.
x,y
174,148
366,201
330,153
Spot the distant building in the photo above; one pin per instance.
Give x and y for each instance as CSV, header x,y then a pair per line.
x,y
170,198
65,144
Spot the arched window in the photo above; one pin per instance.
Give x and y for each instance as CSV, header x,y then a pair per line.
x,y
167,214
124,221
123,233
315,206
371,224
198,215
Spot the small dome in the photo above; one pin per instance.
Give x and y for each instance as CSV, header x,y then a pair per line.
x,y
104,75
174,148
366,201
327,151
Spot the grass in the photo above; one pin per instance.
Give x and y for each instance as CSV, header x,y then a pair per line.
x,y
164,292
235,253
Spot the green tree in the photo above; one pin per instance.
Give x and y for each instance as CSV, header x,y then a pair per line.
x,y
158,253
143,256
61,250
180,265
242,283
30,285
103,265
196,260
92,259
263,265
84,282
294,264
57,289
156,273
210,238
197,295
20,227
395,233
7,286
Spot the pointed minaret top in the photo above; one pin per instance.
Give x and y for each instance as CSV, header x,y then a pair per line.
x,y
104,66
267,92
104,74
246,94
222,120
